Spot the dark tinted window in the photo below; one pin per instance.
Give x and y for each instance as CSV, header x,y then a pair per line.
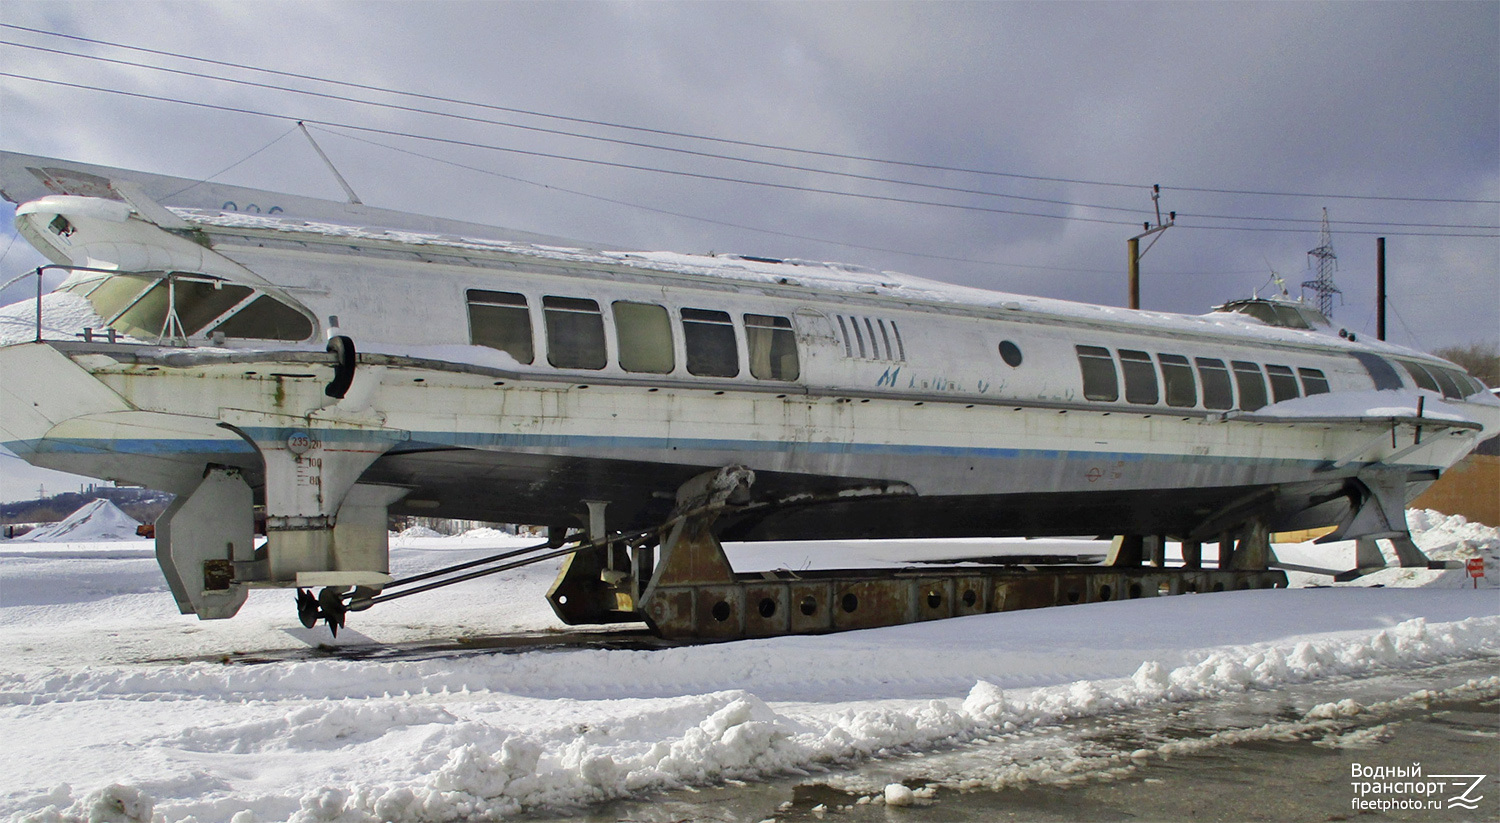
x,y
1419,375
709,338
1380,371
1182,391
1140,377
1098,367
575,333
1283,383
772,346
1252,385
1216,391
1313,382
1448,380
267,319
500,320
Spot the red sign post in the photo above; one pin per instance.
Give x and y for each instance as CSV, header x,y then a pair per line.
x,y
1475,567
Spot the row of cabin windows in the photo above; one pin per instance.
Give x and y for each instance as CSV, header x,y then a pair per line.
x,y
868,339
1452,383
575,337
1180,381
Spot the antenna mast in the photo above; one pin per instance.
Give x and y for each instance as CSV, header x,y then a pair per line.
x,y
1327,265
353,198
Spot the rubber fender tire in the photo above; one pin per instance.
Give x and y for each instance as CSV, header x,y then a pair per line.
x,y
342,348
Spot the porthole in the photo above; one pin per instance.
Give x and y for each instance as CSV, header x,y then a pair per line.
x,y
809,606
767,607
849,602
1010,353
721,611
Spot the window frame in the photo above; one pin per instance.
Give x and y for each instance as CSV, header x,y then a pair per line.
x,y
620,344
1172,386
692,340
779,335
1222,379
1142,383
502,300
1250,389
557,334
1100,357
1282,378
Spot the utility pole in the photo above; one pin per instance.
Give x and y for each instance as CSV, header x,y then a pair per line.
x,y
1133,245
1380,288
1327,265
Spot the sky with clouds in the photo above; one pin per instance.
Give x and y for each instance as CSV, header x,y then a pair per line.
x,y
1071,111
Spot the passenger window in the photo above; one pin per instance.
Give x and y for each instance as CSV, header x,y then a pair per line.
x,y
1217,393
709,338
1283,383
575,333
772,346
1098,367
199,302
1380,371
644,334
1252,385
267,318
1140,377
1291,318
500,320
1313,382
1420,375
1182,391
117,292
1446,378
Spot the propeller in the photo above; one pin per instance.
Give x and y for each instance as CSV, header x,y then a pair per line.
x,y
328,605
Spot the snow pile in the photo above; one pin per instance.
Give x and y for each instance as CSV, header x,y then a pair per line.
x,y
481,757
97,520
92,692
64,317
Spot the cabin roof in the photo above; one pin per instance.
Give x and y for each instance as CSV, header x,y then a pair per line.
x,y
816,276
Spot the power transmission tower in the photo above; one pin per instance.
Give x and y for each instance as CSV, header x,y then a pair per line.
x,y
1328,263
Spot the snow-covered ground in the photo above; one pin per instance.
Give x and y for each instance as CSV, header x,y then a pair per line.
x,y
102,719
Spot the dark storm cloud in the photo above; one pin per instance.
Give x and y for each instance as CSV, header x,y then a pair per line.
x,y
1389,99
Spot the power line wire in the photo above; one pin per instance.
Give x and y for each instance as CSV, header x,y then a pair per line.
x,y
711,155
577,135
235,163
551,156
675,172
727,141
